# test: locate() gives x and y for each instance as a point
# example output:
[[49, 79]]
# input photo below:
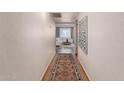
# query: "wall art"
[[83, 34]]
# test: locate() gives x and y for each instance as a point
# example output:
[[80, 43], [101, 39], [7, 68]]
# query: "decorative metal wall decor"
[[83, 34]]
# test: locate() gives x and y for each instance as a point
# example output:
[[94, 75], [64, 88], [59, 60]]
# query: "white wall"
[[105, 60], [26, 45]]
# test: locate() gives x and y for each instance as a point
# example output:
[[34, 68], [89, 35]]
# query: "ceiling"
[[65, 16]]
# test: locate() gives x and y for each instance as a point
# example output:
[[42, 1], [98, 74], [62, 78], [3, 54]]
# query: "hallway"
[[61, 46], [65, 67], [51, 46]]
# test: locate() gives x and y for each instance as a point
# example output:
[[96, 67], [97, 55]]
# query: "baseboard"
[[51, 58], [85, 70], [83, 57]]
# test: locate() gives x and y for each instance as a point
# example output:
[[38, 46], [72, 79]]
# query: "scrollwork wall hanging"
[[83, 34]]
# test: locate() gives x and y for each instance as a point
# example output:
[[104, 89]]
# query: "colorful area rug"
[[65, 69]]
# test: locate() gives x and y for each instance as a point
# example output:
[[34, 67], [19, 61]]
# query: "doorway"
[[65, 40]]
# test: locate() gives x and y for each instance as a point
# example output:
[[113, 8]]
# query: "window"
[[65, 32]]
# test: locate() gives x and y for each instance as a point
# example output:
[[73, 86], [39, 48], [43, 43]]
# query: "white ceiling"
[[66, 17]]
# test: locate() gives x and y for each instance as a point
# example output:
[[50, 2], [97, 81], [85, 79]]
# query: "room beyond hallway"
[[65, 67]]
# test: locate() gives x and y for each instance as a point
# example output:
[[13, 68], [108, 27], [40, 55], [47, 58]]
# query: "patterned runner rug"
[[65, 69]]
